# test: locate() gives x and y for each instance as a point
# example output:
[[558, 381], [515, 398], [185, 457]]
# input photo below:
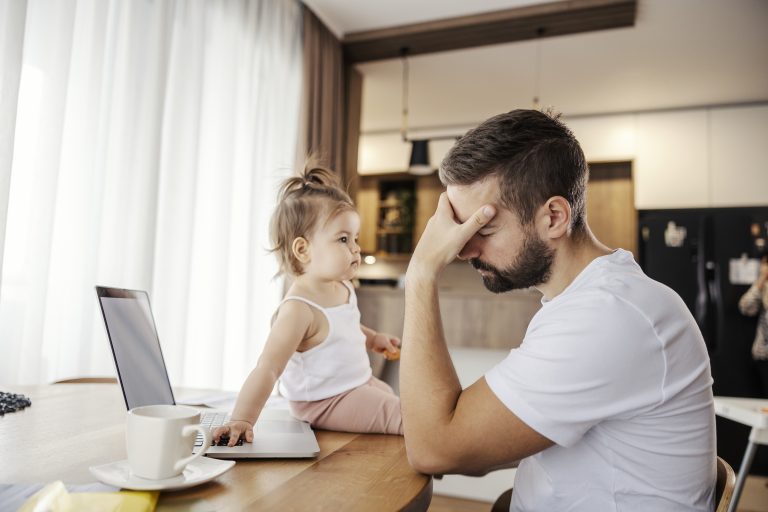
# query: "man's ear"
[[556, 217], [300, 249]]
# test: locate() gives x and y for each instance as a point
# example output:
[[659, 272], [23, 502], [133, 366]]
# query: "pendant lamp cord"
[[537, 69], [404, 127]]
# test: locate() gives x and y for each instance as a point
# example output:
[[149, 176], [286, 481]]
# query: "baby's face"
[[333, 249]]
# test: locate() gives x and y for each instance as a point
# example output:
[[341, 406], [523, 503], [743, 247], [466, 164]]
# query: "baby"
[[317, 346]]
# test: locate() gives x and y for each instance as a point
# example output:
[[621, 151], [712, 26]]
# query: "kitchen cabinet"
[[739, 156], [380, 153], [690, 158], [708, 157], [608, 138], [367, 202], [396, 212], [671, 163], [375, 203]]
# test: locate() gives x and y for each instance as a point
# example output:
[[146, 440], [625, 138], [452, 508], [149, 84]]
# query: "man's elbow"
[[430, 460]]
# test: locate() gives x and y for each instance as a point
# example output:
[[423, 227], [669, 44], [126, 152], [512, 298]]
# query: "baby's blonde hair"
[[305, 201]]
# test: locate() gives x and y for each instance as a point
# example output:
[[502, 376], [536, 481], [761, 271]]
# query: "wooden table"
[[70, 427], [749, 411]]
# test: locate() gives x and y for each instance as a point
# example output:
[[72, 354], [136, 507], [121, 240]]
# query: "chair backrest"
[[726, 482], [88, 380], [503, 502], [724, 485]]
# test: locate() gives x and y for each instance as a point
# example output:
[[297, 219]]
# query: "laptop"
[[144, 380]]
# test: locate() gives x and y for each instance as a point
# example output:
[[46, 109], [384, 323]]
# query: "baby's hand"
[[234, 430], [387, 346]]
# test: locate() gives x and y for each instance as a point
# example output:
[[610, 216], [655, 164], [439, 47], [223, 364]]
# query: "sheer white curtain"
[[149, 139]]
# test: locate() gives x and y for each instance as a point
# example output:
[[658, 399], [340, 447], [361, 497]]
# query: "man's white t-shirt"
[[615, 372]]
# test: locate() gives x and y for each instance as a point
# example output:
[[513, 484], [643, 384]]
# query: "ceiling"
[[680, 53], [347, 16]]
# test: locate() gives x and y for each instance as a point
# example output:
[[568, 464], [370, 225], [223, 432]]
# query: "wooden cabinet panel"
[[367, 207], [611, 210], [428, 190]]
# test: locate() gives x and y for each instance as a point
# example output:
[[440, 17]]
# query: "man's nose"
[[470, 250]]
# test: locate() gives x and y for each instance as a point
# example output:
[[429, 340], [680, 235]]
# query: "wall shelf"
[[376, 205]]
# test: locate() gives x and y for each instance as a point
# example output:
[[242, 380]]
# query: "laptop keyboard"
[[211, 420]]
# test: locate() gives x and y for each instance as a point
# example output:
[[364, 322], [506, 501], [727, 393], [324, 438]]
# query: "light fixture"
[[419, 163]]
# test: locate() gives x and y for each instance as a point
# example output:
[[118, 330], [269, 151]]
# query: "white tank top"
[[336, 365]]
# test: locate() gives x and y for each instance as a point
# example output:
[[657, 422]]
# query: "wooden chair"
[[726, 482], [503, 502], [724, 485]]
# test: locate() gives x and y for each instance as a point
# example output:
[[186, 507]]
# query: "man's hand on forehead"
[[445, 236]]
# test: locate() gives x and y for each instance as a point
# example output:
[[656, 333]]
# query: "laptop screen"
[[135, 347]]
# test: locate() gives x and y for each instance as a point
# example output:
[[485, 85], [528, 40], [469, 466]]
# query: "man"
[[607, 403]]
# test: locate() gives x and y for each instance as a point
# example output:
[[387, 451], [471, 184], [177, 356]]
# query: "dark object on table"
[[11, 402]]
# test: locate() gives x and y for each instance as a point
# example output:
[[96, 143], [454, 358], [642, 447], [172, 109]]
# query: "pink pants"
[[371, 408]]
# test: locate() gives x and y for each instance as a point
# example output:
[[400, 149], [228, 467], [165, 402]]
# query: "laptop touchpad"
[[278, 427]]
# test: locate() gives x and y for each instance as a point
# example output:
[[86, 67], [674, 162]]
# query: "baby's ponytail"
[[303, 201], [311, 180]]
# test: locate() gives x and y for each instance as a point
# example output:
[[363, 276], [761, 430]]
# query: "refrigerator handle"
[[716, 308], [707, 295], [702, 311]]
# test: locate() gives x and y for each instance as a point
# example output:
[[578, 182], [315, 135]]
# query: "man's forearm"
[[429, 386]]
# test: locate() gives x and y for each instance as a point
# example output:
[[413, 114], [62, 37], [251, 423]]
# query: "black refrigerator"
[[702, 255]]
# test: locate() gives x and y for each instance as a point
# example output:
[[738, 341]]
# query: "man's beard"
[[532, 266]]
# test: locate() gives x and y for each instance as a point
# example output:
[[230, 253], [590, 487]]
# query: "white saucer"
[[198, 471]]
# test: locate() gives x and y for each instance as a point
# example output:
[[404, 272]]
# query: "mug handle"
[[191, 429]]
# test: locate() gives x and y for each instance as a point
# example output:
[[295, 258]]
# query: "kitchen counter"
[[472, 316]]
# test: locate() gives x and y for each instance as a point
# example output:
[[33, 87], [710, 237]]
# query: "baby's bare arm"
[[369, 335], [291, 325], [384, 344]]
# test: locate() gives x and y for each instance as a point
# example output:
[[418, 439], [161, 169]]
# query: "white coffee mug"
[[160, 438]]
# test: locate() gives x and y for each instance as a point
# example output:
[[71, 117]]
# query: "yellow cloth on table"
[[55, 498]]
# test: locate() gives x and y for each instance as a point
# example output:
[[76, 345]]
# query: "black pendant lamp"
[[419, 162]]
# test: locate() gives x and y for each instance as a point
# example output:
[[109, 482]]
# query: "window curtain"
[[323, 95], [148, 142]]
